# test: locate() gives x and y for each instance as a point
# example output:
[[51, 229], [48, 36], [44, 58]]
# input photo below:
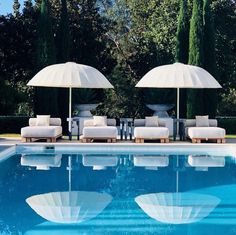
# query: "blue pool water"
[[204, 181]]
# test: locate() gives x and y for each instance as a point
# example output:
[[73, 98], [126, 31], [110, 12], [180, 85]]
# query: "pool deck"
[[11, 146], [9, 141]]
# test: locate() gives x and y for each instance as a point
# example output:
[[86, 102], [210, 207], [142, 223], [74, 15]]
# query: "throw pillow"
[[100, 120], [151, 121], [202, 121], [43, 120]]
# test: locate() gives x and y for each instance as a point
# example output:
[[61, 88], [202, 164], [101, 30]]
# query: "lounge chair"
[[49, 132], [199, 133], [143, 132], [91, 132]]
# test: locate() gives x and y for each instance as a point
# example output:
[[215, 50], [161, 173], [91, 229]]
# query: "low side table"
[[181, 131], [126, 128]]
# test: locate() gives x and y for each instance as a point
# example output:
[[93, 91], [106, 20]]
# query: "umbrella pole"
[[70, 168], [177, 123], [70, 108], [178, 93]]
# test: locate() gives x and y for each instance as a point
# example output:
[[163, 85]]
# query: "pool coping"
[[115, 148], [132, 148]]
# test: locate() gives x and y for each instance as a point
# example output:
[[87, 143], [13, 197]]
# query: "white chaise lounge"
[[206, 132], [142, 131], [106, 131], [49, 132]]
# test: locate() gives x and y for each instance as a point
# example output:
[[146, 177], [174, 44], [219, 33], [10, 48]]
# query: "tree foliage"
[[46, 98], [124, 40], [182, 47], [63, 56], [195, 102], [182, 37], [210, 96]]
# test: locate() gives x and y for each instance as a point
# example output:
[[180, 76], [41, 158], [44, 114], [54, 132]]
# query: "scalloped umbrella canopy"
[[69, 207], [70, 75], [178, 76], [177, 208]]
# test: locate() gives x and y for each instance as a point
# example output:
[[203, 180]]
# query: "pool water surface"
[[117, 194]]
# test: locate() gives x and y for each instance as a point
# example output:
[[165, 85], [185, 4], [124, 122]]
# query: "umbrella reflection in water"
[[70, 206], [177, 207]]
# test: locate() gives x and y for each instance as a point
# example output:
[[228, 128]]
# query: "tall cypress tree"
[[28, 9], [16, 8], [195, 103], [210, 95], [37, 3], [46, 98], [182, 46], [182, 36], [63, 55]]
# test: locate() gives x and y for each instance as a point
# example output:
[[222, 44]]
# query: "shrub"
[[12, 124], [229, 123]]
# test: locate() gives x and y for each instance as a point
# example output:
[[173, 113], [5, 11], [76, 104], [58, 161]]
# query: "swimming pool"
[[149, 190]]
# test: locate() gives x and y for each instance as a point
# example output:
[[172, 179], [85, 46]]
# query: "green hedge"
[[229, 123], [12, 124]]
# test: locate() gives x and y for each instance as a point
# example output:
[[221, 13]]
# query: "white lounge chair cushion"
[[151, 132], [53, 121], [202, 121], [41, 131], [100, 132], [100, 120], [151, 121], [206, 133], [43, 120]]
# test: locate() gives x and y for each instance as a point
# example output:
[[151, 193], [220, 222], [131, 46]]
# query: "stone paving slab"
[[13, 141]]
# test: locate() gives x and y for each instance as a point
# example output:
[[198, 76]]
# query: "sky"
[[6, 6]]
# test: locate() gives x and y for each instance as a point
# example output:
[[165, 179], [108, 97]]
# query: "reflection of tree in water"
[[128, 183], [123, 184], [8, 229]]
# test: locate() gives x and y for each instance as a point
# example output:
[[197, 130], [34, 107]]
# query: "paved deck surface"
[[13, 141]]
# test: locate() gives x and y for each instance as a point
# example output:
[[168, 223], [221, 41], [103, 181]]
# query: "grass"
[[9, 135], [230, 136]]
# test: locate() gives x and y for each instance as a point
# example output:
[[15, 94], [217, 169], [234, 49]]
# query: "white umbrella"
[[178, 76], [70, 75]]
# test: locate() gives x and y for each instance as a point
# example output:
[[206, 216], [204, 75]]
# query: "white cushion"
[[151, 121], [100, 132], [41, 131], [206, 133], [100, 120], [53, 122], [151, 132], [43, 120], [202, 121]]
